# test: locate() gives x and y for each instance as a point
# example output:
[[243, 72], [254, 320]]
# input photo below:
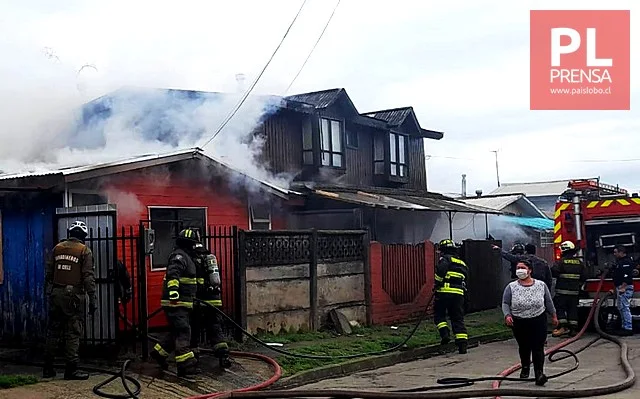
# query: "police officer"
[[69, 277], [178, 292], [450, 290], [205, 317], [570, 273]]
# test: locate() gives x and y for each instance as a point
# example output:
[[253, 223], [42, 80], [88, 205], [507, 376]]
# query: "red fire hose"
[[516, 367]]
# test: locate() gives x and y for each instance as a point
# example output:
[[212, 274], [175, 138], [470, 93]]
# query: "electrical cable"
[[314, 47], [255, 82]]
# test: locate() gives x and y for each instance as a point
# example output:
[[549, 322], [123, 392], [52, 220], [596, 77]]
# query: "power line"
[[567, 160], [314, 47], [255, 82]]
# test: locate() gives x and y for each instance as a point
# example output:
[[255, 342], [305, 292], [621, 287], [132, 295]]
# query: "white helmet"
[[78, 227]]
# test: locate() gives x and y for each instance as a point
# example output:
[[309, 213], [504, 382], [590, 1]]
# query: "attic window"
[[259, 217], [352, 138], [331, 152]]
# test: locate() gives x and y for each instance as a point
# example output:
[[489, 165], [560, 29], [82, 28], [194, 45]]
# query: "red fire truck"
[[598, 217]]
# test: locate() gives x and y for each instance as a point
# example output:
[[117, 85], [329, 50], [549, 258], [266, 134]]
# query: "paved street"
[[599, 365]]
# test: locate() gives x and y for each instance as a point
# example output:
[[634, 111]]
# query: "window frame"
[[250, 207], [389, 163], [331, 152], [355, 134], [202, 233], [69, 196]]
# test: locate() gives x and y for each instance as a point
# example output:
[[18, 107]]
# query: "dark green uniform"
[[178, 293], [204, 317], [570, 274], [450, 279], [69, 277]]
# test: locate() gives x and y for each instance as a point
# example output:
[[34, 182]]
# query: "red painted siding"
[[134, 192]]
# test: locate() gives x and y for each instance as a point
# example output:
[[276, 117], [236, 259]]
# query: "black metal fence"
[[485, 270]]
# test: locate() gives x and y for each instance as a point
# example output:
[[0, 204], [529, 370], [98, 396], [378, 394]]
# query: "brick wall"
[[384, 310]]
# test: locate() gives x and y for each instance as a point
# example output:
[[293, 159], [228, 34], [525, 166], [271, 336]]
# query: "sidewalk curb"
[[375, 362]]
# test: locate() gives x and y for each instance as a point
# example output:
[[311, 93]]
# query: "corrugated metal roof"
[[393, 117], [319, 99], [535, 223], [498, 203], [533, 189], [401, 202]]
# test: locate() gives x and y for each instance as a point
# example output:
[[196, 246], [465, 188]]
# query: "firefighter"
[[513, 256], [450, 290], [570, 273], [178, 292], [205, 317], [69, 277]]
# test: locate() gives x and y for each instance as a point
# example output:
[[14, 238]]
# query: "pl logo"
[[594, 73]]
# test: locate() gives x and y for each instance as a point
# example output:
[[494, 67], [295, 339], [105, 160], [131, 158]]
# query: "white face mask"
[[522, 273]]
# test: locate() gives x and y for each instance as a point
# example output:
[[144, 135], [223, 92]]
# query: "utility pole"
[[497, 170]]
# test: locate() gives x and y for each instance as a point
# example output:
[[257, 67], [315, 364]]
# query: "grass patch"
[[13, 381], [370, 339]]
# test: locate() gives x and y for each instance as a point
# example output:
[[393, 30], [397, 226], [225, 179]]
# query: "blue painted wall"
[[27, 235]]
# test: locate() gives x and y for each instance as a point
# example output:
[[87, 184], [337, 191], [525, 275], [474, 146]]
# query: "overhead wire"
[[314, 47], [255, 81]]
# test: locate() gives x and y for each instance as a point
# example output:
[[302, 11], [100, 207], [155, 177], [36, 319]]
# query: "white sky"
[[462, 65]]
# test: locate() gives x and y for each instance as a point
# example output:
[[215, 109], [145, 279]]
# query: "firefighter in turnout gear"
[[450, 291], [69, 278], [178, 292], [570, 274], [204, 317]]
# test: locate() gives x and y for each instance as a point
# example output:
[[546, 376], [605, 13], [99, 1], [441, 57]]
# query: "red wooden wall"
[[396, 272]]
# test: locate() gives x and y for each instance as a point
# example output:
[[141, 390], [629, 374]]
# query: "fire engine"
[[598, 217]]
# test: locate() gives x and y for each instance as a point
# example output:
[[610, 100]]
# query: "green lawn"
[[369, 339], [12, 381]]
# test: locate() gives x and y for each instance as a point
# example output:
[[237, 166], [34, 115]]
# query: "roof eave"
[[431, 134]]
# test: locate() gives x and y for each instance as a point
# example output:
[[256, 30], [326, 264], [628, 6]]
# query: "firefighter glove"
[[174, 295]]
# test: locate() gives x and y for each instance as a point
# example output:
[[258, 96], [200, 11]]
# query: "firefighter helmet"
[[78, 229], [447, 243], [517, 249], [189, 234], [567, 246]]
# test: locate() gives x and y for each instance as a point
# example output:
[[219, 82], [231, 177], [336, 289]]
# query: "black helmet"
[[517, 249], [187, 238], [447, 246]]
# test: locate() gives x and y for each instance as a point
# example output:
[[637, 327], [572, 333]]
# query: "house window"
[[398, 155], [259, 217], [86, 198], [331, 143], [352, 138], [378, 154], [167, 223], [307, 143]]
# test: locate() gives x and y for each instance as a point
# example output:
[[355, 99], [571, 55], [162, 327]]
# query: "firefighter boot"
[[161, 360], [48, 371], [221, 351], [462, 346], [445, 336], [188, 370], [71, 372]]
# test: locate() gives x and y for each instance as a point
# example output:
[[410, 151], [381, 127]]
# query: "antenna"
[[497, 169]]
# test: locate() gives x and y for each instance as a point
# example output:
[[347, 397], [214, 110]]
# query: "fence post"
[[240, 279], [143, 311], [366, 247], [313, 279]]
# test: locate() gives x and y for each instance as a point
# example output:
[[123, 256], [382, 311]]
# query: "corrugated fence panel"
[[403, 271]]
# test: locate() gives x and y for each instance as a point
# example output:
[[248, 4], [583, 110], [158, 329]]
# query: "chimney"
[[240, 82], [478, 193], [464, 186]]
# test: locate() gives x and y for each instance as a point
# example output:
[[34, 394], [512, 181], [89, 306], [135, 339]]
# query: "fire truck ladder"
[[602, 189]]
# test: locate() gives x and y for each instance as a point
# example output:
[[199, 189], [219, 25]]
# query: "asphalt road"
[[599, 365]]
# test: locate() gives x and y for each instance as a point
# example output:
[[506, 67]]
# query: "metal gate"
[[485, 268], [101, 327]]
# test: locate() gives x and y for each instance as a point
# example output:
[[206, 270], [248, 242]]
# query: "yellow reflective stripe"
[[564, 206], [458, 261], [557, 227], [636, 200], [200, 281], [214, 302], [557, 214], [442, 325], [592, 204], [188, 233], [438, 278], [160, 350], [188, 280], [173, 283], [176, 304], [558, 239], [606, 203], [623, 202], [454, 275], [569, 275], [449, 290], [462, 336], [185, 357]]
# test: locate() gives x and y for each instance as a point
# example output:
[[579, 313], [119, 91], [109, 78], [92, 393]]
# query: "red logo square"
[[580, 60]]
